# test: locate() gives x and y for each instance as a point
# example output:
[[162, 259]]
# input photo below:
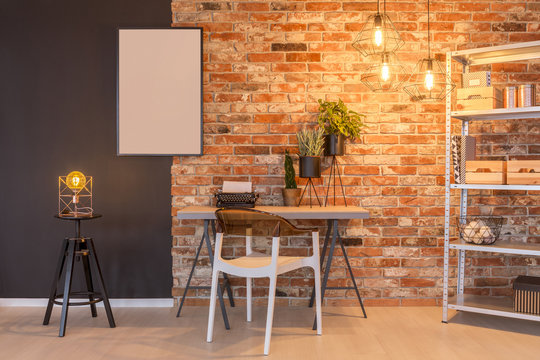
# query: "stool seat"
[[71, 248]]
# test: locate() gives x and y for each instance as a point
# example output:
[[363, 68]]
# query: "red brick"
[[270, 118], [266, 57], [322, 6], [228, 77], [416, 282], [266, 98], [273, 17], [252, 6], [269, 139], [224, 36], [291, 67]]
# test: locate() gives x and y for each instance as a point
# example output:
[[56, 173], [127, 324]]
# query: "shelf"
[[498, 114], [503, 247], [497, 54], [485, 304], [491, 305], [494, 187]]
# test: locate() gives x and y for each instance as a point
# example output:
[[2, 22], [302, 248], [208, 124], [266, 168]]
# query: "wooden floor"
[[155, 333]]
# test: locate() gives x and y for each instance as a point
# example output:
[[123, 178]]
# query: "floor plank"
[[155, 333]]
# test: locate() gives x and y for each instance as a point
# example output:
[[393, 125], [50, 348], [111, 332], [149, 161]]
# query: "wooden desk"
[[329, 213], [288, 212]]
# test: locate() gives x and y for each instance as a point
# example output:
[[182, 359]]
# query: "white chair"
[[249, 223]]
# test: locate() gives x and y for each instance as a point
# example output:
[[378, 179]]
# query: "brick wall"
[[265, 65]]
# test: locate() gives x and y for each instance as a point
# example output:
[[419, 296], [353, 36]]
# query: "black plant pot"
[[310, 166], [334, 144]]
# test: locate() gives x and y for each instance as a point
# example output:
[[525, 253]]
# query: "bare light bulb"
[[428, 81], [385, 72], [378, 37], [75, 180]]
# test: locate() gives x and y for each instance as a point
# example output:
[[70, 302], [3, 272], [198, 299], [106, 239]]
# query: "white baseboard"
[[159, 302]]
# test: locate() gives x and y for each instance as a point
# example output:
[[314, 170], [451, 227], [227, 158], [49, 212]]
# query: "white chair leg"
[[270, 313], [318, 311], [212, 310], [317, 272], [248, 294]]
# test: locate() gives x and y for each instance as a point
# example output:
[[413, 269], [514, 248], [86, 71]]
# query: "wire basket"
[[480, 230], [236, 200]]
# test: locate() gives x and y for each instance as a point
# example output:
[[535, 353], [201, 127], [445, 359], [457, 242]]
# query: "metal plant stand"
[[334, 168], [308, 187], [227, 286], [332, 227], [80, 248]]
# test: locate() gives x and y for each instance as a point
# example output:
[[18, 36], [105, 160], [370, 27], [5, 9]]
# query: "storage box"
[[523, 172], [476, 79], [462, 145], [527, 294], [485, 172], [479, 98]]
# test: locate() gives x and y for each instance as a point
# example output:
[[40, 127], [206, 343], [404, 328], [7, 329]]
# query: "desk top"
[[288, 212]]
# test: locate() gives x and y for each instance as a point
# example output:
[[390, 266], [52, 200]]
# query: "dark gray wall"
[[57, 114]]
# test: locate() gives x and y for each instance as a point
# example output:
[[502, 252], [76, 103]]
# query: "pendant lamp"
[[429, 80], [378, 35], [385, 75]]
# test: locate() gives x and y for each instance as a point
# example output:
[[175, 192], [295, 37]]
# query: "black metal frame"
[[226, 286], [309, 185], [332, 227], [334, 167], [72, 248]]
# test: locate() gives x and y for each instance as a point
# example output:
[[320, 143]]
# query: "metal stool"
[[74, 248]]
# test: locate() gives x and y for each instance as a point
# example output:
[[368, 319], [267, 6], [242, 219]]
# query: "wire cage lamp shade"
[[428, 82], [386, 75], [378, 36]]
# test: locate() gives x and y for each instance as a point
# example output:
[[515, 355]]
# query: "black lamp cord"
[[428, 41]]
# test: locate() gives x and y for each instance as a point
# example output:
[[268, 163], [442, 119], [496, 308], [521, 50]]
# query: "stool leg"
[[57, 276], [93, 258], [88, 276], [67, 286]]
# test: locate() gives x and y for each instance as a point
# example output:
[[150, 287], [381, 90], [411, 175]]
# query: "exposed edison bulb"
[[378, 38], [75, 180], [428, 81], [377, 34], [385, 72]]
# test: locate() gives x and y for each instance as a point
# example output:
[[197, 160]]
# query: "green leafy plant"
[[310, 142], [336, 118], [290, 174]]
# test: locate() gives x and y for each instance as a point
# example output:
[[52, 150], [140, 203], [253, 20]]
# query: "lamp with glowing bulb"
[[429, 81], [75, 194], [378, 35], [386, 75]]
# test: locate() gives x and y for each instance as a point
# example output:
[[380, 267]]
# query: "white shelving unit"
[[499, 306]]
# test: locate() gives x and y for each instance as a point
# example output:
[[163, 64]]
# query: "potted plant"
[[310, 148], [338, 123], [291, 193]]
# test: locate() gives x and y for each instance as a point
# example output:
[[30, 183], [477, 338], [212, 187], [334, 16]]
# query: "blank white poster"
[[159, 100]]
